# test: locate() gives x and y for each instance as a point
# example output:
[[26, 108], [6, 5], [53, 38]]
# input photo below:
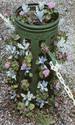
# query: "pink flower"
[[46, 49], [46, 72], [7, 65], [57, 86], [21, 13], [59, 55], [51, 5], [23, 67]]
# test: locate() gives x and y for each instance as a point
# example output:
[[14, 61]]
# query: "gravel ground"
[[65, 110]]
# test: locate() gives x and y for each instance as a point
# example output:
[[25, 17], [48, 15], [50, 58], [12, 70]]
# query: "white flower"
[[25, 8], [27, 53], [42, 85], [41, 103], [62, 45], [39, 14], [10, 57], [7, 22], [22, 52], [41, 5], [13, 95], [11, 74], [27, 98], [23, 46], [11, 49], [10, 25], [20, 46]]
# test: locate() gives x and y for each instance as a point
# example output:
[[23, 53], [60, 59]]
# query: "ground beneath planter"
[[65, 112]]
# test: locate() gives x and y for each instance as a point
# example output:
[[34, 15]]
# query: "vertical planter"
[[36, 33]]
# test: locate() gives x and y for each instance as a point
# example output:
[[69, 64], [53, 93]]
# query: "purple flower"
[[57, 87], [51, 5], [42, 60], [7, 65], [21, 13], [41, 103], [46, 72], [23, 67]]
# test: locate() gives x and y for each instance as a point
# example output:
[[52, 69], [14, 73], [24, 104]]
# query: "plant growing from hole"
[[18, 74], [41, 13]]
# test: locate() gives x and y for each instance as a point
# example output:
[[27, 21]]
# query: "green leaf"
[[20, 106], [31, 106], [41, 74], [28, 58], [16, 37], [52, 57], [30, 74], [15, 65], [25, 85], [37, 62], [14, 86], [28, 114]]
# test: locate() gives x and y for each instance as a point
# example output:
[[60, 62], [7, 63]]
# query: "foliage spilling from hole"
[[37, 14], [17, 68]]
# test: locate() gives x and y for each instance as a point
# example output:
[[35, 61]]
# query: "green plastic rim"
[[35, 27]]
